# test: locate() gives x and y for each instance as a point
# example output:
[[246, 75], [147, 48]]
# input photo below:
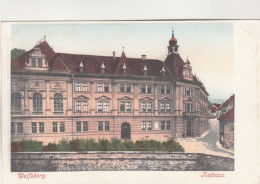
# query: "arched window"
[[37, 102], [58, 103], [16, 102]]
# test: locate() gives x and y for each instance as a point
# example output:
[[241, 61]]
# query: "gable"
[[103, 98], [81, 97], [125, 98], [165, 99], [146, 99]]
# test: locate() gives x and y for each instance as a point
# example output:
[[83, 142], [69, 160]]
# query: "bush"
[[103, 144], [172, 145], [74, 144], [31, 145], [139, 146], [129, 145], [152, 145], [63, 145], [16, 147], [88, 145], [116, 145], [50, 147]]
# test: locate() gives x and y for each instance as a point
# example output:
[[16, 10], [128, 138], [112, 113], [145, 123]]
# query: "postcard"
[[93, 102]]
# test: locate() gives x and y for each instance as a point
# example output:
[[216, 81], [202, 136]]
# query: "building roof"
[[229, 115], [213, 109], [93, 63], [230, 99]]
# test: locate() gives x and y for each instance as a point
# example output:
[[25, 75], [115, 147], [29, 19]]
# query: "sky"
[[209, 46]]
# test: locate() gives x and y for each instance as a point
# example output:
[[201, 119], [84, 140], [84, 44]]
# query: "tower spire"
[[172, 32]]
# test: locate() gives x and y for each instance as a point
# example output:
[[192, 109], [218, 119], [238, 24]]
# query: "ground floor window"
[[144, 125], [162, 125], [12, 127], [78, 126], [100, 126], [62, 127], [20, 127], [54, 127], [106, 126], [168, 125], [85, 126], [34, 127], [41, 127]]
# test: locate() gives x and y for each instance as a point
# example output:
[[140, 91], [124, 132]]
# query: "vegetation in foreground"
[[93, 145]]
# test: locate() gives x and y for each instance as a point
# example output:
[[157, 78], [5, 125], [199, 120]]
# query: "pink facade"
[[57, 96]]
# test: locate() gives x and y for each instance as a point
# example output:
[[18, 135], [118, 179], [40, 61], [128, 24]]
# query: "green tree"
[[15, 53]]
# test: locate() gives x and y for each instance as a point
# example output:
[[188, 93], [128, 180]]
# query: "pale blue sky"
[[209, 46]]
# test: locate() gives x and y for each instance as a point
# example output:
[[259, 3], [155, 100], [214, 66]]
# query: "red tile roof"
[[229, 115], [213, 109], [92, 64], [230, 99]]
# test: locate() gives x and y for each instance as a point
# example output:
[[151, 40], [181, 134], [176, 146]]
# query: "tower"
[[173, 47]]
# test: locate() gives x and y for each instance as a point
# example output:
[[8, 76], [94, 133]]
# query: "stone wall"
[[118, 161]]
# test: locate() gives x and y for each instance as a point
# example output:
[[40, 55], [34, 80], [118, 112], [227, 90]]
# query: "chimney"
[[81, 67], [103, 68], [114, 55], [143, 57]]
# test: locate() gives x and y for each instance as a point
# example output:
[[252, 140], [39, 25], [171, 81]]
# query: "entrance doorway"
[[189, 128], [125, 131]]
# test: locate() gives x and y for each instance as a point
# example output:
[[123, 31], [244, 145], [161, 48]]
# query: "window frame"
[[16, 102], [34, 127], [143, 125], [85, 126], [77, 86], [41, 127], [54, 127], [100, 126], [107, 126], [19, 128], [78, 126], [149, 125], [62, 127], [58, 102], [85, 86], [37, 102]]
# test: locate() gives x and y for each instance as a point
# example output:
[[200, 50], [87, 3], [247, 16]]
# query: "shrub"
[[16, 147], [63, 145], [74, 144], [152, 145], [31, 145], [50, 147], [103, 144], [172, 145], [139, 146], [116, 145], [129, 145], [88, 145]]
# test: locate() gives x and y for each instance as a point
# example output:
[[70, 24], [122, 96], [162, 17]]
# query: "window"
[[143, 125], [143, 88], [122, 106], [168, 125], [149, 125], [78, 126], [128, 106], [100, 126], [188, 108], [85, 106], [41, 127], [162, 89], [78, 106], [149, 89], [106, 87], [12, 127], [143, 106], [100, 106], [62, 127], [33, 62], [165, 107], [85, 126], [20, 127], [37, 102], [39, 63], [107, 126], [149, 106], [187, 91], [58, 102], [168, 89], [128, 88], [162, 125], [15, 102], [162, 107], [54, 127], [34, 127], [99, 87], [85, 86], [122, 88], [78, 86], [106, 106]]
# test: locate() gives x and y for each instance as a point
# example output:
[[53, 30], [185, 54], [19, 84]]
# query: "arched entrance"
[[125, 131], [188, 128]]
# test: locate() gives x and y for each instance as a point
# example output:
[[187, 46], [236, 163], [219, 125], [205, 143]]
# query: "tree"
[[15, 53]]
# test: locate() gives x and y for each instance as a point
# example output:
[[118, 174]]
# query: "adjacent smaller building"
[[226, 123], [213, 110]]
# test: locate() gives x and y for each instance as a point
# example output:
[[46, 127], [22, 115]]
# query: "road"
[[205, 144]]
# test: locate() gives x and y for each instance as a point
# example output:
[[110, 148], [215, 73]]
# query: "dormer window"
[[39, 63], [33, 62]]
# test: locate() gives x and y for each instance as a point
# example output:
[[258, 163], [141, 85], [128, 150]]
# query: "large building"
[[57, 95]]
